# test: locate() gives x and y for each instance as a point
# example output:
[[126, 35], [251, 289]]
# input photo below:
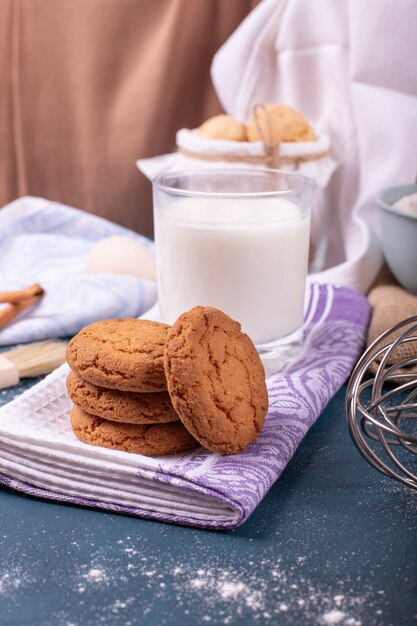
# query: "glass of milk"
[[237, 240]]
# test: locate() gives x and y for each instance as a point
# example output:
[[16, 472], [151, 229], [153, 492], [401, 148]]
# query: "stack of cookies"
[[144, 387], [119, 389]]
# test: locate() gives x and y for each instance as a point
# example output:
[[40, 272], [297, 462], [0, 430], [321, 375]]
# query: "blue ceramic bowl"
[[399, 236]]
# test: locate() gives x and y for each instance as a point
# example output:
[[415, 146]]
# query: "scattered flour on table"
[[333, 617], [264, 593], [10, 580], [224, 590], [408, 503], [227, 588], [231, 592], [96, 575]]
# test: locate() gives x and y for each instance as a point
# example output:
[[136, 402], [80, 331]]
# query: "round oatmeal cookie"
[[278, 122], [222, 127], [124, 354], [128, 407], [216, 380], [147, 439]]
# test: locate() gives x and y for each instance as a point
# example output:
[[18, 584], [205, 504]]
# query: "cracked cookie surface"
[[128, 407], [124, 354], [149, 440], [216, 380]]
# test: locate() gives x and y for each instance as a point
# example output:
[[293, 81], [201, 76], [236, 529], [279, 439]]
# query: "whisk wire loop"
[[381, 403]]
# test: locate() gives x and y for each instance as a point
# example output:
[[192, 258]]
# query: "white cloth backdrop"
[[350, 65]]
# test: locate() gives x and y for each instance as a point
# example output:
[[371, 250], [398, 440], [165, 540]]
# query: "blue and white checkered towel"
[[46, 242]]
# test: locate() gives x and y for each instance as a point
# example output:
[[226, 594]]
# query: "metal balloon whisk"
[[381, 403]]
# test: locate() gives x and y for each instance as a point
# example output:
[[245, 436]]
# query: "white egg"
[[121, 255]]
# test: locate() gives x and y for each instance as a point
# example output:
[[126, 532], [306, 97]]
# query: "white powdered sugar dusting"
[[333, 617], [95, 575], [10, 580], [267, 591]]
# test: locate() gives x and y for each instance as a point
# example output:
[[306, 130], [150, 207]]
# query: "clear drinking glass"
[[236, 240]]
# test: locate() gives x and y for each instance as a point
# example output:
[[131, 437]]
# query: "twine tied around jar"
[[271, 157], [271, 148]]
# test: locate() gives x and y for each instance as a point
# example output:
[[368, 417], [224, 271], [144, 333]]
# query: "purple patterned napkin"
[[40, 456]]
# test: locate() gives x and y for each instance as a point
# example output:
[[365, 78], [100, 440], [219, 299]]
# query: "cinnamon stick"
[[8, 313], [16, 297]]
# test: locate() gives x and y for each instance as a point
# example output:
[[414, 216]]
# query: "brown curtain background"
[[89, 86]]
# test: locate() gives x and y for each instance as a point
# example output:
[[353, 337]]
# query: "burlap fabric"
[[391, 304]]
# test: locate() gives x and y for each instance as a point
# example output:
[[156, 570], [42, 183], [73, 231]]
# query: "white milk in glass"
[[247, 257]]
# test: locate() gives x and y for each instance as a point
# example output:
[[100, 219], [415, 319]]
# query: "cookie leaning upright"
[[216, 380], [124, 354]]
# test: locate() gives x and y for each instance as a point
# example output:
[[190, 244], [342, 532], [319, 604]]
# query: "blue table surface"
[[334, 542]]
